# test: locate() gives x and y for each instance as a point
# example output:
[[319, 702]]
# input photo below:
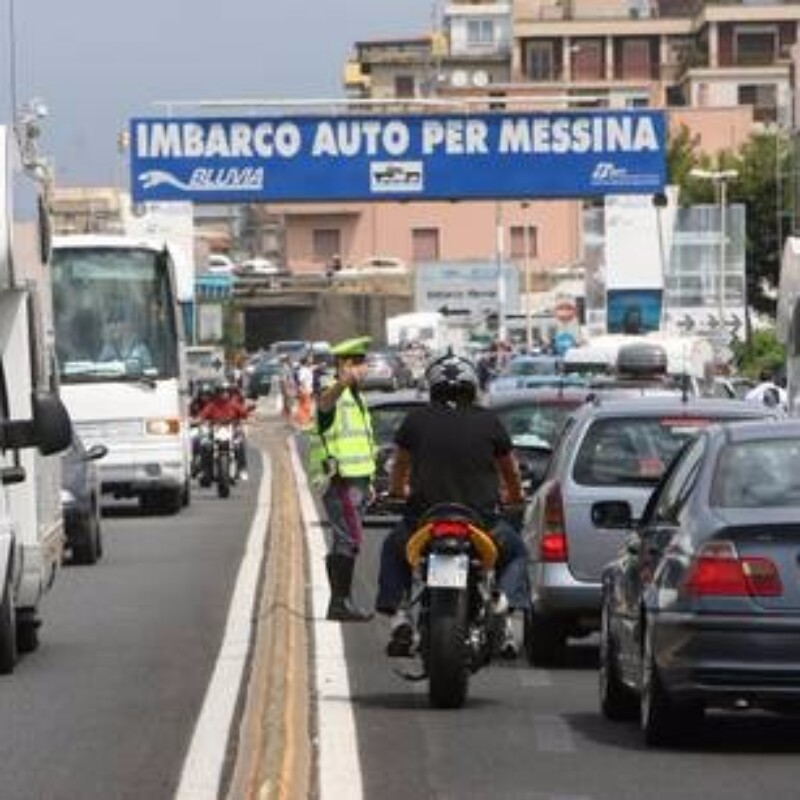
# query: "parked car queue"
[[622, 529]]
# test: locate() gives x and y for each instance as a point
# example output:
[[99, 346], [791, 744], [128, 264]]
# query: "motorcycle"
[[217, 461], [460, 611]]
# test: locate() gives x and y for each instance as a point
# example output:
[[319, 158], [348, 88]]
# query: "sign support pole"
[[501, 286]]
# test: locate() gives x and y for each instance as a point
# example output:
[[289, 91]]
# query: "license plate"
[[447, 572]]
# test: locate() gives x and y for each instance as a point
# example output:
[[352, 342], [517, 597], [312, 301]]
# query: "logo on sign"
[[396, 176], [207, 180], [607, 173]]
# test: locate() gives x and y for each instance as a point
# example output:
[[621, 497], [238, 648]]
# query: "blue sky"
[[96, 63]]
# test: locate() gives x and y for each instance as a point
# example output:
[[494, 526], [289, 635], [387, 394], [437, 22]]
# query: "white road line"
[[202, 768], [339, 767]]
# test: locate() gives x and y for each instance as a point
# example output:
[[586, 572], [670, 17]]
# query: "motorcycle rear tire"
[[224, 475], [448, 664]]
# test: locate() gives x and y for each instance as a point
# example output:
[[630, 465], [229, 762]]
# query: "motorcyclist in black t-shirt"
[[452, 451]]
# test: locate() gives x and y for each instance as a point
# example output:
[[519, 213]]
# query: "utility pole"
[[501, 285]]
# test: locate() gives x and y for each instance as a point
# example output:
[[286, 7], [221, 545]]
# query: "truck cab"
[[34, 427]]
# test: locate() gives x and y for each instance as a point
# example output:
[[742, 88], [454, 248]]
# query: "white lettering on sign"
[[400, 145], [361, 137], [217, 140], [454, 136], [284, 140], [578, 135]]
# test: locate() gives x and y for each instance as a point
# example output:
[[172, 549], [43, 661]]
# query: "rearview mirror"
[[50, 429], [533, 467], [51, 422], [95, 452]]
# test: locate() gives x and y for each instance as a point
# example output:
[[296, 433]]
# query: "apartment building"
[[470, 50], [670, 53], [722, 68]]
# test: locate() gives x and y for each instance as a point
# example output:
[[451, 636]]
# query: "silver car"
[[611, 449]]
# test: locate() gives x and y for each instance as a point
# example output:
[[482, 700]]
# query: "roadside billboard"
[[466, 290], [575, 153]]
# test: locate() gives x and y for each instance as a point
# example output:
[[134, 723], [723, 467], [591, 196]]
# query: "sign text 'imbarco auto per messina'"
[[424, 157]]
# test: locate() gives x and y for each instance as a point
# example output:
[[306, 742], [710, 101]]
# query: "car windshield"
[[535, 425], [631, 450], [758, 474]]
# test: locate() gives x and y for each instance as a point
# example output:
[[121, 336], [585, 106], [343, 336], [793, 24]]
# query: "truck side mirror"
[[51, 423], [50, 429]]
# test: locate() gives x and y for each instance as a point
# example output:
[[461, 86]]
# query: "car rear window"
[[536, 425], [385, 421], [631, 450], [758, 474]]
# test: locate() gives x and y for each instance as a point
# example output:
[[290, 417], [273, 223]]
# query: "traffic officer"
[[344, 451]]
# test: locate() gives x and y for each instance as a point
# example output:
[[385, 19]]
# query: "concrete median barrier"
[[274, 752]]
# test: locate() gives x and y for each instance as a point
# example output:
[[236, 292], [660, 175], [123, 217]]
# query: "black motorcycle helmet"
[[452, 380]]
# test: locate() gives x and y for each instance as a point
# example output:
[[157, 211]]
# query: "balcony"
[[569, 10]]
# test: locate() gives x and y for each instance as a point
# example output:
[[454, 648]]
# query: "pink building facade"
[[422, 232]]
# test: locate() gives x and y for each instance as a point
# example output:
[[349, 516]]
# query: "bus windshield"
[[113, 313]]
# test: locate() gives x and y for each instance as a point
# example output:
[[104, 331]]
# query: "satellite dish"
[[459, 78], [480, 78]]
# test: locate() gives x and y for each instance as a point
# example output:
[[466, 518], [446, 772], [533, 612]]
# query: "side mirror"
[[51, 423], [533, 464], [614, 514], [95, 452], [50, 429]]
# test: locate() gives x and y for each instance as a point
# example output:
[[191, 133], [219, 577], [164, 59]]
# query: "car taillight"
[[447, 527], [553, 541], [717, 570]]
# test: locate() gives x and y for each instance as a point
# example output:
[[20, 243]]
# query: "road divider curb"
[[275, 755]]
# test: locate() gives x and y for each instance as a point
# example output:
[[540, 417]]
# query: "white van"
[[34, 426]]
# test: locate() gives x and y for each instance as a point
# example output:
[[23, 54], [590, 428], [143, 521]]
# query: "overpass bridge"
[[309, 306]]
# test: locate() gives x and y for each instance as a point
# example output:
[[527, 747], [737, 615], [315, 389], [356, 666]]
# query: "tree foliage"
[[763, 353], [760, 162]]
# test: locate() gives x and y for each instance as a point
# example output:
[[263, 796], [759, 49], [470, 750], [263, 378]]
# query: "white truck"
[[429, 329], [34, 426]]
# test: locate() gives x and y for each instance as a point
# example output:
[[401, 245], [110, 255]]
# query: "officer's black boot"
[[340, 577]]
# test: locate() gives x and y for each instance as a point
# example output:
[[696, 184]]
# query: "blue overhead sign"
[[406, 157]]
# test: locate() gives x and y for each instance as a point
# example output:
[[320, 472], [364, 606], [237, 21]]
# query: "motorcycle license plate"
[[447, 572]]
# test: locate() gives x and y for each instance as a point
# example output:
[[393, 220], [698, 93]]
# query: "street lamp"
[[720, 178]]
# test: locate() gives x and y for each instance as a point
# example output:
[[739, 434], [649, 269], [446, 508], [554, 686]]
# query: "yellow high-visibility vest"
[[348, 440]]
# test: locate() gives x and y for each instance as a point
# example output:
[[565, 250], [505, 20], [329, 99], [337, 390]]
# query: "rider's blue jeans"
[[394, 580]]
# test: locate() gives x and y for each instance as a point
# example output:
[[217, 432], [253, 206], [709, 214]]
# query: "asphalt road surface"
[[107, 705], [537, 734]]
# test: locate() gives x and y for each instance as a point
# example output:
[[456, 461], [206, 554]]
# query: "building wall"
[[717, 128], [467, 231]]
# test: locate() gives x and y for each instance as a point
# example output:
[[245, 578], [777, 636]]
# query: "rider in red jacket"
[[224, 406]]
